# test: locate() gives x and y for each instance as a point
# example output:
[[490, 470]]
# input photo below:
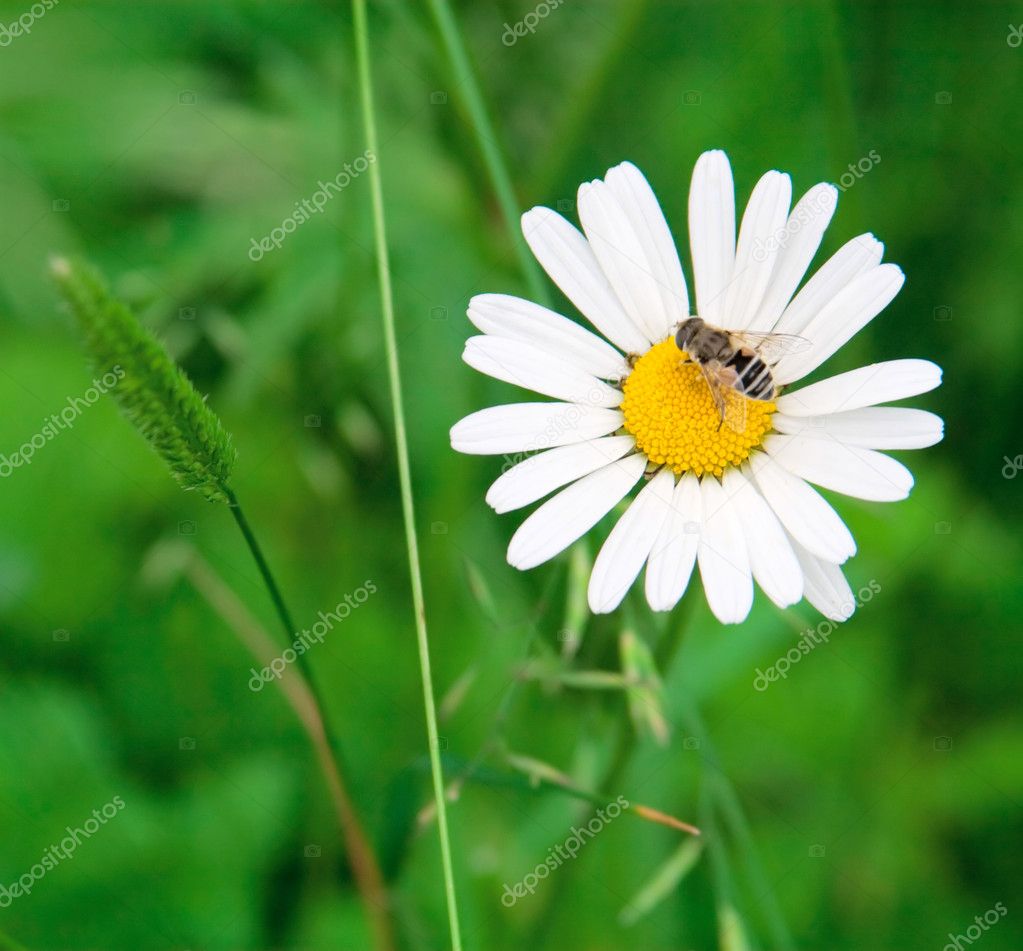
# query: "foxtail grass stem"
[[365, 868]]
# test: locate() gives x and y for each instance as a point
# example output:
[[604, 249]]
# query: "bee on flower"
[[696, 402]]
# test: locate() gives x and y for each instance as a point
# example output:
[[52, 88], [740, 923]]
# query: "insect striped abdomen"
[[754, 376]]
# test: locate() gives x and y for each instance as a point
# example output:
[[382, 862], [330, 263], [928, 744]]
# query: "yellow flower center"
[[670, 409]]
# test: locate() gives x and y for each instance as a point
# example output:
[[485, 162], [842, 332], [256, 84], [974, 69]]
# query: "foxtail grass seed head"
[[154, 393]]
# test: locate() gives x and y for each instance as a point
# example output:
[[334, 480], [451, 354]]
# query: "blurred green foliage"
[[882, 779]]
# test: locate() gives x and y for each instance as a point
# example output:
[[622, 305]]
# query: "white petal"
[[867, 386], [862, 299], [806, 515], [762, 224], [526, 365], [712, 233], [638, 201], [860, 473], [825, 586], [674, 553], [627, 547], [873, 427], [504, 316], [573, 512], [803, 233], [565, 255], [537, 476], [622, 258], [722, 557], [526, 427], [853, 258], [774, 565]]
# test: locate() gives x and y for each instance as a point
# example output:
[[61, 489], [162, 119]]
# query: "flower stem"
[[404, 471], [366, 870], [486, 140], [720, 788]]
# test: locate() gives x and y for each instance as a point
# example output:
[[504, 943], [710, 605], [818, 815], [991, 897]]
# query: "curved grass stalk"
[[157, 397], [301, 696], [404, 470]]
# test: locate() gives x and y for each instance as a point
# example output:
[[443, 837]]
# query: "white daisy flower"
[[726, 479]]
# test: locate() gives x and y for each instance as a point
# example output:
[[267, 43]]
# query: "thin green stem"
[[731, 934], [625, 745], [404, 469], [365, 867], [468, 88], [264, 569], [720, 787], [586, 97], [9, 944]]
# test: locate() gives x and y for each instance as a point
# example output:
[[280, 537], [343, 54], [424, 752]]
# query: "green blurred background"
[[882, 780]]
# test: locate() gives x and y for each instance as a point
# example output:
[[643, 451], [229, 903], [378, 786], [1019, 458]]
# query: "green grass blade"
[[468, 88], [404, 470]]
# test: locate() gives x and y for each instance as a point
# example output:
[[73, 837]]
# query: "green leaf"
[[644, 693], [663, 882]]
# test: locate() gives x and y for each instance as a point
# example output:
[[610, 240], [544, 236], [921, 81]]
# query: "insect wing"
[[721, 381], [771, 347]]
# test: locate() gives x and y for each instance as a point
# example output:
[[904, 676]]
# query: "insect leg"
[[715, 392]]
